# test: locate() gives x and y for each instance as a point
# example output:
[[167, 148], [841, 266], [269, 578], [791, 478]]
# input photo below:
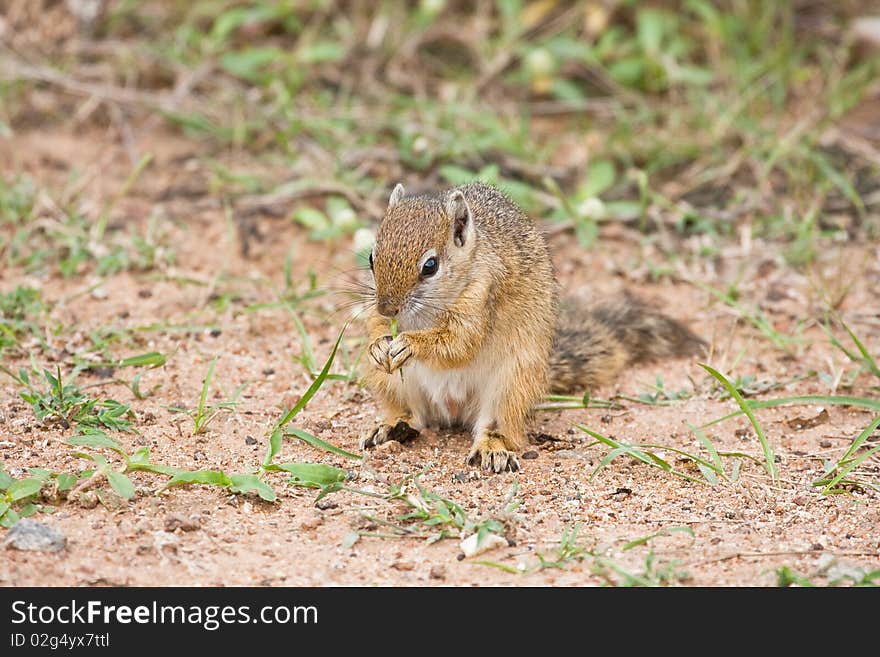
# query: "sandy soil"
[[743, 530]]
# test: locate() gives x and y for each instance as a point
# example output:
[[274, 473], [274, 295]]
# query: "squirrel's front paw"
[[378, 351], [399, 351], [400, 431], [492, 454]]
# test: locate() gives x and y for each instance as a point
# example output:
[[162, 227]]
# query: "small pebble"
[[311, 521], [531, 454], [438, 572], [29, 534], [389, 447], [250, 440], [184, 523]]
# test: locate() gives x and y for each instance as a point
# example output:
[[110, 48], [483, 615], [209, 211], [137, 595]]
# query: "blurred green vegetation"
[[696, 116]]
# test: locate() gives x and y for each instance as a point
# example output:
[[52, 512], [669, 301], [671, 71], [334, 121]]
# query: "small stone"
[[531, 454], [818, 547], [472, 546], [389, 447], [88, 499], [99, 293], [311, 521], [184, 523], [403, 566], [461, 477], [29, 534], [825, 444], [326, 503], [145, 293], [250, 440], [215, 333], [438, 572], [269, 371]]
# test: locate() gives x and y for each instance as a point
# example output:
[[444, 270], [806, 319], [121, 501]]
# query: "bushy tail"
[[594, 344]]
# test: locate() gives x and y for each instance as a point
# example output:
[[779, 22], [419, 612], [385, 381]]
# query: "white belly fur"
[[453, 396]]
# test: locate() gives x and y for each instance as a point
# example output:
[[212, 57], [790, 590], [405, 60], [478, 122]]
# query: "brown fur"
[[491, 319], [594, 344]]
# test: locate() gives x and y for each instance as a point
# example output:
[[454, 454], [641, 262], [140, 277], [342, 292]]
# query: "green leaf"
[[274, 446], [207, 477], [627, 71], [314, 441], [152, 359], [121, 484], [24, 488], [96, 438], [9, 518], [242, 483], [4, 507], [39, 473], [600, 176], [311, 218], [66, 481], [250, 64], [650, 26], [322, 51], [5, 480], [312, 475]]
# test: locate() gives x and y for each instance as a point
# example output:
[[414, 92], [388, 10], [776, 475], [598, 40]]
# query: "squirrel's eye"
[[371, 261], [430, 267]]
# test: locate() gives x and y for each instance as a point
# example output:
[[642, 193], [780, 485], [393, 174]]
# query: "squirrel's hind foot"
[[400, 431], [490, 451]]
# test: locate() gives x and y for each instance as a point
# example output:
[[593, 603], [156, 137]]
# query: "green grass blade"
[[769, 456], [316, 384], [663, 532], [713, 453], [314, 441], [838, 400], [151, 359], [203, 398], [862, 437], [852, 465], [499, 566]]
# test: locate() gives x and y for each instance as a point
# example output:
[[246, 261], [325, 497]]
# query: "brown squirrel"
[[469, 280]]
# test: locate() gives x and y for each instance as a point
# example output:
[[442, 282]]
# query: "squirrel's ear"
[[398, 193], [462, 220]]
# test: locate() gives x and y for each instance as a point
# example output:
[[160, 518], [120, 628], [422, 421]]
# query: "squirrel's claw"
[[399, 351], [378, 351], [492, 455]]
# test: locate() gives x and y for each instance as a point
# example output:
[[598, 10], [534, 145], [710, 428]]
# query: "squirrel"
[[483, 336]]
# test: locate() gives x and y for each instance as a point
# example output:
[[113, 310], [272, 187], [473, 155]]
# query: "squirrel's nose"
[[387, 308]]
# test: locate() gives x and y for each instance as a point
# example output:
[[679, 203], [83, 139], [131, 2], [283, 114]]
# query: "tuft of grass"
[[204, 412], [769, 455], [68, 404], [787, 577], [18, 310], [861, 357], [569, 550], [836, 472], [645, 454]]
